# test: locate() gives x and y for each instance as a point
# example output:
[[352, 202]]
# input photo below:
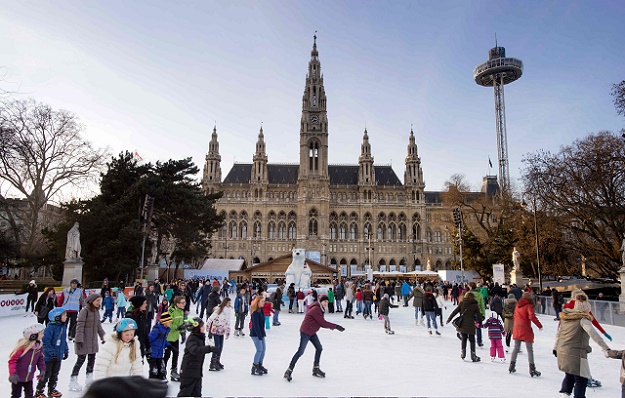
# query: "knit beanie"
[[92, 297], [137, 301], [166, 317]]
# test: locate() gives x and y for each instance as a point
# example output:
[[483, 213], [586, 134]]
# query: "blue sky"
[[155, 76]]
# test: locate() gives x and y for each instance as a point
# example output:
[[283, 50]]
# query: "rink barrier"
[[12, 304]]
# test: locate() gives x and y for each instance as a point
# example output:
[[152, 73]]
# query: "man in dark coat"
[[213, 300], [311, 324], [206, 290]]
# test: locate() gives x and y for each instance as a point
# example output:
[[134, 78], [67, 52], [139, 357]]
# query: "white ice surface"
[[364, 361]]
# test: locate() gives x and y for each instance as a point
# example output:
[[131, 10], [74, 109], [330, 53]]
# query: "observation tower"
[[497, 72]]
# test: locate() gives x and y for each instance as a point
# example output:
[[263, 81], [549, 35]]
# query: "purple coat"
[[25, 365]]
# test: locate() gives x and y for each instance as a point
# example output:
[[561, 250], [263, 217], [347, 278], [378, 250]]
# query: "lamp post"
[[540, 278]]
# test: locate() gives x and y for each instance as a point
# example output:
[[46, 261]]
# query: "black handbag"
[[457, 322]]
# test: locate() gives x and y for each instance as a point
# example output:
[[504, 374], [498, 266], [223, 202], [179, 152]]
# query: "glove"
[[612, 354], [78, 346], [607, 353], [14, 378], [55, 357], [340, 328], [148, 353], [607, 336], [102, 342], [65, 355], [182, 327], [555, 353]]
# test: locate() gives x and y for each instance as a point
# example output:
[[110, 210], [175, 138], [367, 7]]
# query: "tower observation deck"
[[497, 72]]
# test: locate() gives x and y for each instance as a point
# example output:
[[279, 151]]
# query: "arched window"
[[343, 232], [243, 230], [292, 231], [366, 231], [281, 230], [312, 227], [437, 236], [381, 232], [233, 230], [333, 231], [313, 156], [257, 229], [271, 230], [353, 231]]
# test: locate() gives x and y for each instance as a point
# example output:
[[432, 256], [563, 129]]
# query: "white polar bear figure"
[[298, 272]]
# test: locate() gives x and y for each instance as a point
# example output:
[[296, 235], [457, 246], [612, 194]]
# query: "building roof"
[[222, 264], [287, 174]]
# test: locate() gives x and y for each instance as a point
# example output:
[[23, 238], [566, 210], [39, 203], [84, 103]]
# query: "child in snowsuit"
[[158, 343], [109, 304], [193, 360], [495, 335], [267, 311], [120, 353], [25, 357], [54, 351]]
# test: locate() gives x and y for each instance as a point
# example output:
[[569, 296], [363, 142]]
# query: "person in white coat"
[[219, 327], [119, 356]]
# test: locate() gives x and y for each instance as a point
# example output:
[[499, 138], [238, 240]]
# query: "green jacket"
[[480, 300], [330, 296], [177, 316]]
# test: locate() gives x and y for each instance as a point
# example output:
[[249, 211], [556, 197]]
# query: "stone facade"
[[351, 215]]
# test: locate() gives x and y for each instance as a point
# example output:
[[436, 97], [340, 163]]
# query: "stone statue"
[[428, 266], [298, 272], [516, 259], [72, 250]]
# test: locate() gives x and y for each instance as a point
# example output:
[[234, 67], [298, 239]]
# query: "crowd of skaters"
[[154, 321]]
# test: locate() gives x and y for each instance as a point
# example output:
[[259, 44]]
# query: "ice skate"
[[236, 332], [492, 359], [214, 367], [317, 372], [89, 379], [390, 332], [288, 373], [40, 394], [463, 354], [533, 371], [174, 375], [594, 383], [54, 393], [512, 367], [262, 368], [256, 371], [437, 333], [502, 360], [73, 384], [475, 358]]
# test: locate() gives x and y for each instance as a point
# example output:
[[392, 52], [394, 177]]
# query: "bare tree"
[[42, 151], [583, 187]]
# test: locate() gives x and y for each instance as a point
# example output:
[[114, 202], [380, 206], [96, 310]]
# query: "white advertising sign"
[[402, 268], [12, 304], [382, 268], [392, 268], [343, 270], [498, 274], [206, 274]]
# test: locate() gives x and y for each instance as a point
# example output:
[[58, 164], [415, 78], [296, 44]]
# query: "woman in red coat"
[[522, 331]]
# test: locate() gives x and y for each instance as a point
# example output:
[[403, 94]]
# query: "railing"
[[606, 312], [496, 63]]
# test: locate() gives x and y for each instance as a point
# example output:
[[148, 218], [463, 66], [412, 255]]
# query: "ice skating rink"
[[365, 361]]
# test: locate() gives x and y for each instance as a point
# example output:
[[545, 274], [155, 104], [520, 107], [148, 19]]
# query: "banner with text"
[[498, 274], [12, 304], [206, 274]]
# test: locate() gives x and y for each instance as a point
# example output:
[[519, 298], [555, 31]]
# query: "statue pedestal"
[[516, 277], [151, 273], [621, 297], [72, 269]]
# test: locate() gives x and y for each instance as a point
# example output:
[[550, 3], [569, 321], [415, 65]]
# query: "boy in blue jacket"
[[108, 302], [158, 342], [54, 350]]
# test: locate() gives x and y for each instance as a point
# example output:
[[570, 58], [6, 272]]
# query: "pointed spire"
[[314, 53], [260, 134]]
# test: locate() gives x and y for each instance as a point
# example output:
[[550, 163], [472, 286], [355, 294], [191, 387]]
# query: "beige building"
[[346, 216]]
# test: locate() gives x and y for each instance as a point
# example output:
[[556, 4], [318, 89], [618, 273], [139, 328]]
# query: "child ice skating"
[[193, 360], [55, 350], [26, 357], [219, 322], [495, 335], [119, 356], [158, 343], [109, 305], [385, 305]]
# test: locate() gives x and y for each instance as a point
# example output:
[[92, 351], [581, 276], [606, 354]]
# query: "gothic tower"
[[212, 168], [413, 175], [366, 172], [259, 178], [313, 177]]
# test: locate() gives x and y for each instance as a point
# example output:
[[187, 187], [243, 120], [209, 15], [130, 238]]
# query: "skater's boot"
[[475, 358], [256, 370], [54, 393], [288, 373], [512, 367], [262, 368], [40, 394], [73, 384], [533, 371], [236, 332], [463, 354], [317, 372], [174, 376], [219, 364], [213, 366], [89, 379]]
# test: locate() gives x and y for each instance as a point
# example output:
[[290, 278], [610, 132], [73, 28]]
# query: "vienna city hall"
[[345, 216]]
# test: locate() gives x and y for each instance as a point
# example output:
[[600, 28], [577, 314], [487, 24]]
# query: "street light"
[[540, 278]]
